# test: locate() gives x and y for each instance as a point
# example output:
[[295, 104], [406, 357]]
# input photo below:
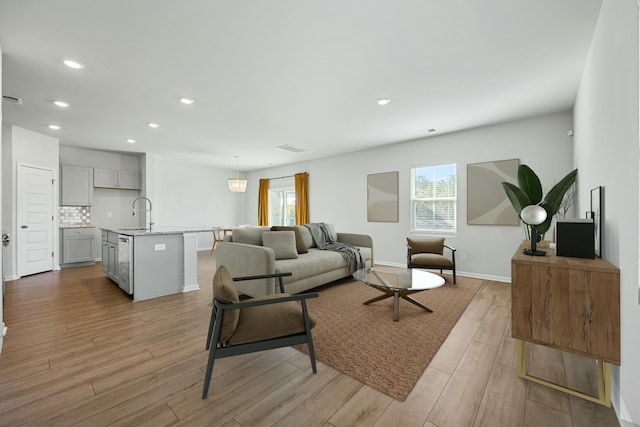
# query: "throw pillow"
[[224, 290], [300, 246], [283, 243], [428, 245], [332, 231], [306, 237]]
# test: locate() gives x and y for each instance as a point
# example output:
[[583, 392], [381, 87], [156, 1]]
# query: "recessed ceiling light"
[[153, 125], [61, 104], [71, 63], [54, 127], [383, 101], [187, 101], [130, 141]]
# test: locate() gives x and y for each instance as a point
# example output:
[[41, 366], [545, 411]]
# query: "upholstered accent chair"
[[428, 253], [256, 324]]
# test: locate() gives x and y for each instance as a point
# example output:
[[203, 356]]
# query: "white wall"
[[338, 187], [606, 153], [185, 194], [32, 149]]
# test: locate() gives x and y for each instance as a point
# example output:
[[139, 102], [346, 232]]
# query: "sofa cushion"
[[249, 235], [301, 247], [330, 228], [431, 260], [283, 243], [426, 245], [332, 231], [306, 236], [314, 263], [224, 290]]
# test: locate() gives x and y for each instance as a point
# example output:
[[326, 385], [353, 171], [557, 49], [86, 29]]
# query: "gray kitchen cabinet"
[[78, 245], [105, 178], [76, 186], [110, 255], [112, 178]]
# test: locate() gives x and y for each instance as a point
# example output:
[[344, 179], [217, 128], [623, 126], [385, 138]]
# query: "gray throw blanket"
[[322, 236]]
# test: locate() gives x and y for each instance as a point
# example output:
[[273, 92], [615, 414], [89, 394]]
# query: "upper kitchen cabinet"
[[76, 187], [111, 178]]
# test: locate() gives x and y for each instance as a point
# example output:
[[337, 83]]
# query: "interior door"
[[34, 220]]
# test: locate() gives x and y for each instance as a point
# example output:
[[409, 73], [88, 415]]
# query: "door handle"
[[24, 226]]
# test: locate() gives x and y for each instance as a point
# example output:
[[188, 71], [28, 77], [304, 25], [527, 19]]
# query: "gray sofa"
[[256, 251]]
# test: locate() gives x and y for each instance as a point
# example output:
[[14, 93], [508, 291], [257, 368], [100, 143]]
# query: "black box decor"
[[575, 238]]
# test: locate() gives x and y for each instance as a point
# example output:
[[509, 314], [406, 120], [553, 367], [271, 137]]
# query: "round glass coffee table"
[[398, 285]]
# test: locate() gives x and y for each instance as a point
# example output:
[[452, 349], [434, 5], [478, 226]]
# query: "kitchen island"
[[151, 263]]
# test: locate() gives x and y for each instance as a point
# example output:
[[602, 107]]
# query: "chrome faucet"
[[133, 206]]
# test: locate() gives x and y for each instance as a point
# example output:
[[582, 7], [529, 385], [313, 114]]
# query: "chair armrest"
[[453, 254], [261, 276], [251, 303], [266, 276]]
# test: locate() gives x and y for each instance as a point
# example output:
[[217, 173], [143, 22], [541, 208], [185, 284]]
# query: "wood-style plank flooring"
[[79, 352]]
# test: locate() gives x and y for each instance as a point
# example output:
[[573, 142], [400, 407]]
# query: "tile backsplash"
[[75, 215]]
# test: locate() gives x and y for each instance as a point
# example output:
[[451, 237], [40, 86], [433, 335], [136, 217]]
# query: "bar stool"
[[217, 237]]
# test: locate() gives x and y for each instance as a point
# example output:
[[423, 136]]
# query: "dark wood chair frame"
[[215, 326], [437, 267]]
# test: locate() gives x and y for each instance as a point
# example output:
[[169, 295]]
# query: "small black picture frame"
[[597, 213]]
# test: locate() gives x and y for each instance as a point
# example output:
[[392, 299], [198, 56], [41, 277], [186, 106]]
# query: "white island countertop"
[[140, 231]]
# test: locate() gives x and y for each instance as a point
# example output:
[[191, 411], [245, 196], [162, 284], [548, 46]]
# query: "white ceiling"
[[268, 73]]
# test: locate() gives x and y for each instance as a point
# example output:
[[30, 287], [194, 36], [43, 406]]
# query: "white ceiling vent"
[[12, 99], [291, 148]]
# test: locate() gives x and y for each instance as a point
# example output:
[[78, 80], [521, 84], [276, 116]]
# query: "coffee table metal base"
[[397, 294]]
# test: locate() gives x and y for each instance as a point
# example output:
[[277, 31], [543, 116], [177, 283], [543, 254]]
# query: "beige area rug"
[[365, 343]]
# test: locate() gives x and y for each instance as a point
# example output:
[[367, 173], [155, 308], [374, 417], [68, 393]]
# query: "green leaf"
[[517, 197], [544, 227], [529, 182], [554, 197]]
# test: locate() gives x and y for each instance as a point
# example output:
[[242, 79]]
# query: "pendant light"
[[236, 184]]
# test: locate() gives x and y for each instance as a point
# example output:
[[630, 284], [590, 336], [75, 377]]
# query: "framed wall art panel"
[[597, 214], [382, 197], [487, 203]]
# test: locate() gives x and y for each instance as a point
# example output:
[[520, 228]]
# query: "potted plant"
[[529, 192]]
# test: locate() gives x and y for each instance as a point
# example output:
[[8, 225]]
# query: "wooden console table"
[[570, 304]]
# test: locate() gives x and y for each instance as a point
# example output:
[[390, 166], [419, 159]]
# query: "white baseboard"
[[191, 288]]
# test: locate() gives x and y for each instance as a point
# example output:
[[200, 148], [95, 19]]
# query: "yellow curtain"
[[302, 198], [263, 202]]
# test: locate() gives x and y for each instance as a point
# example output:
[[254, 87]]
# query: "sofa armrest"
[[248, 260], [363, 240]]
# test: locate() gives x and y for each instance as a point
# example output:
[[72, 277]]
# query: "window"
[[282, 207], [433, 199]]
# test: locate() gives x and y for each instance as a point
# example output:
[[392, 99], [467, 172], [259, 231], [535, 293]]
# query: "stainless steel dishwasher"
[[125, 263]]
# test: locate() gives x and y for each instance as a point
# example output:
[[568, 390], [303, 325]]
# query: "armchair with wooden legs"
[[428, 253], [256, 324]]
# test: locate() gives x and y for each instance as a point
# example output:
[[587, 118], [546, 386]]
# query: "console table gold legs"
[[604, 379]]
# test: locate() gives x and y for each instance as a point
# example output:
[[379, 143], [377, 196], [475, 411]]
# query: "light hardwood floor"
[[78, 352]]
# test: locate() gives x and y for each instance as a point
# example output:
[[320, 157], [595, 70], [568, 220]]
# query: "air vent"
[[12, 99], [291, 148]]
